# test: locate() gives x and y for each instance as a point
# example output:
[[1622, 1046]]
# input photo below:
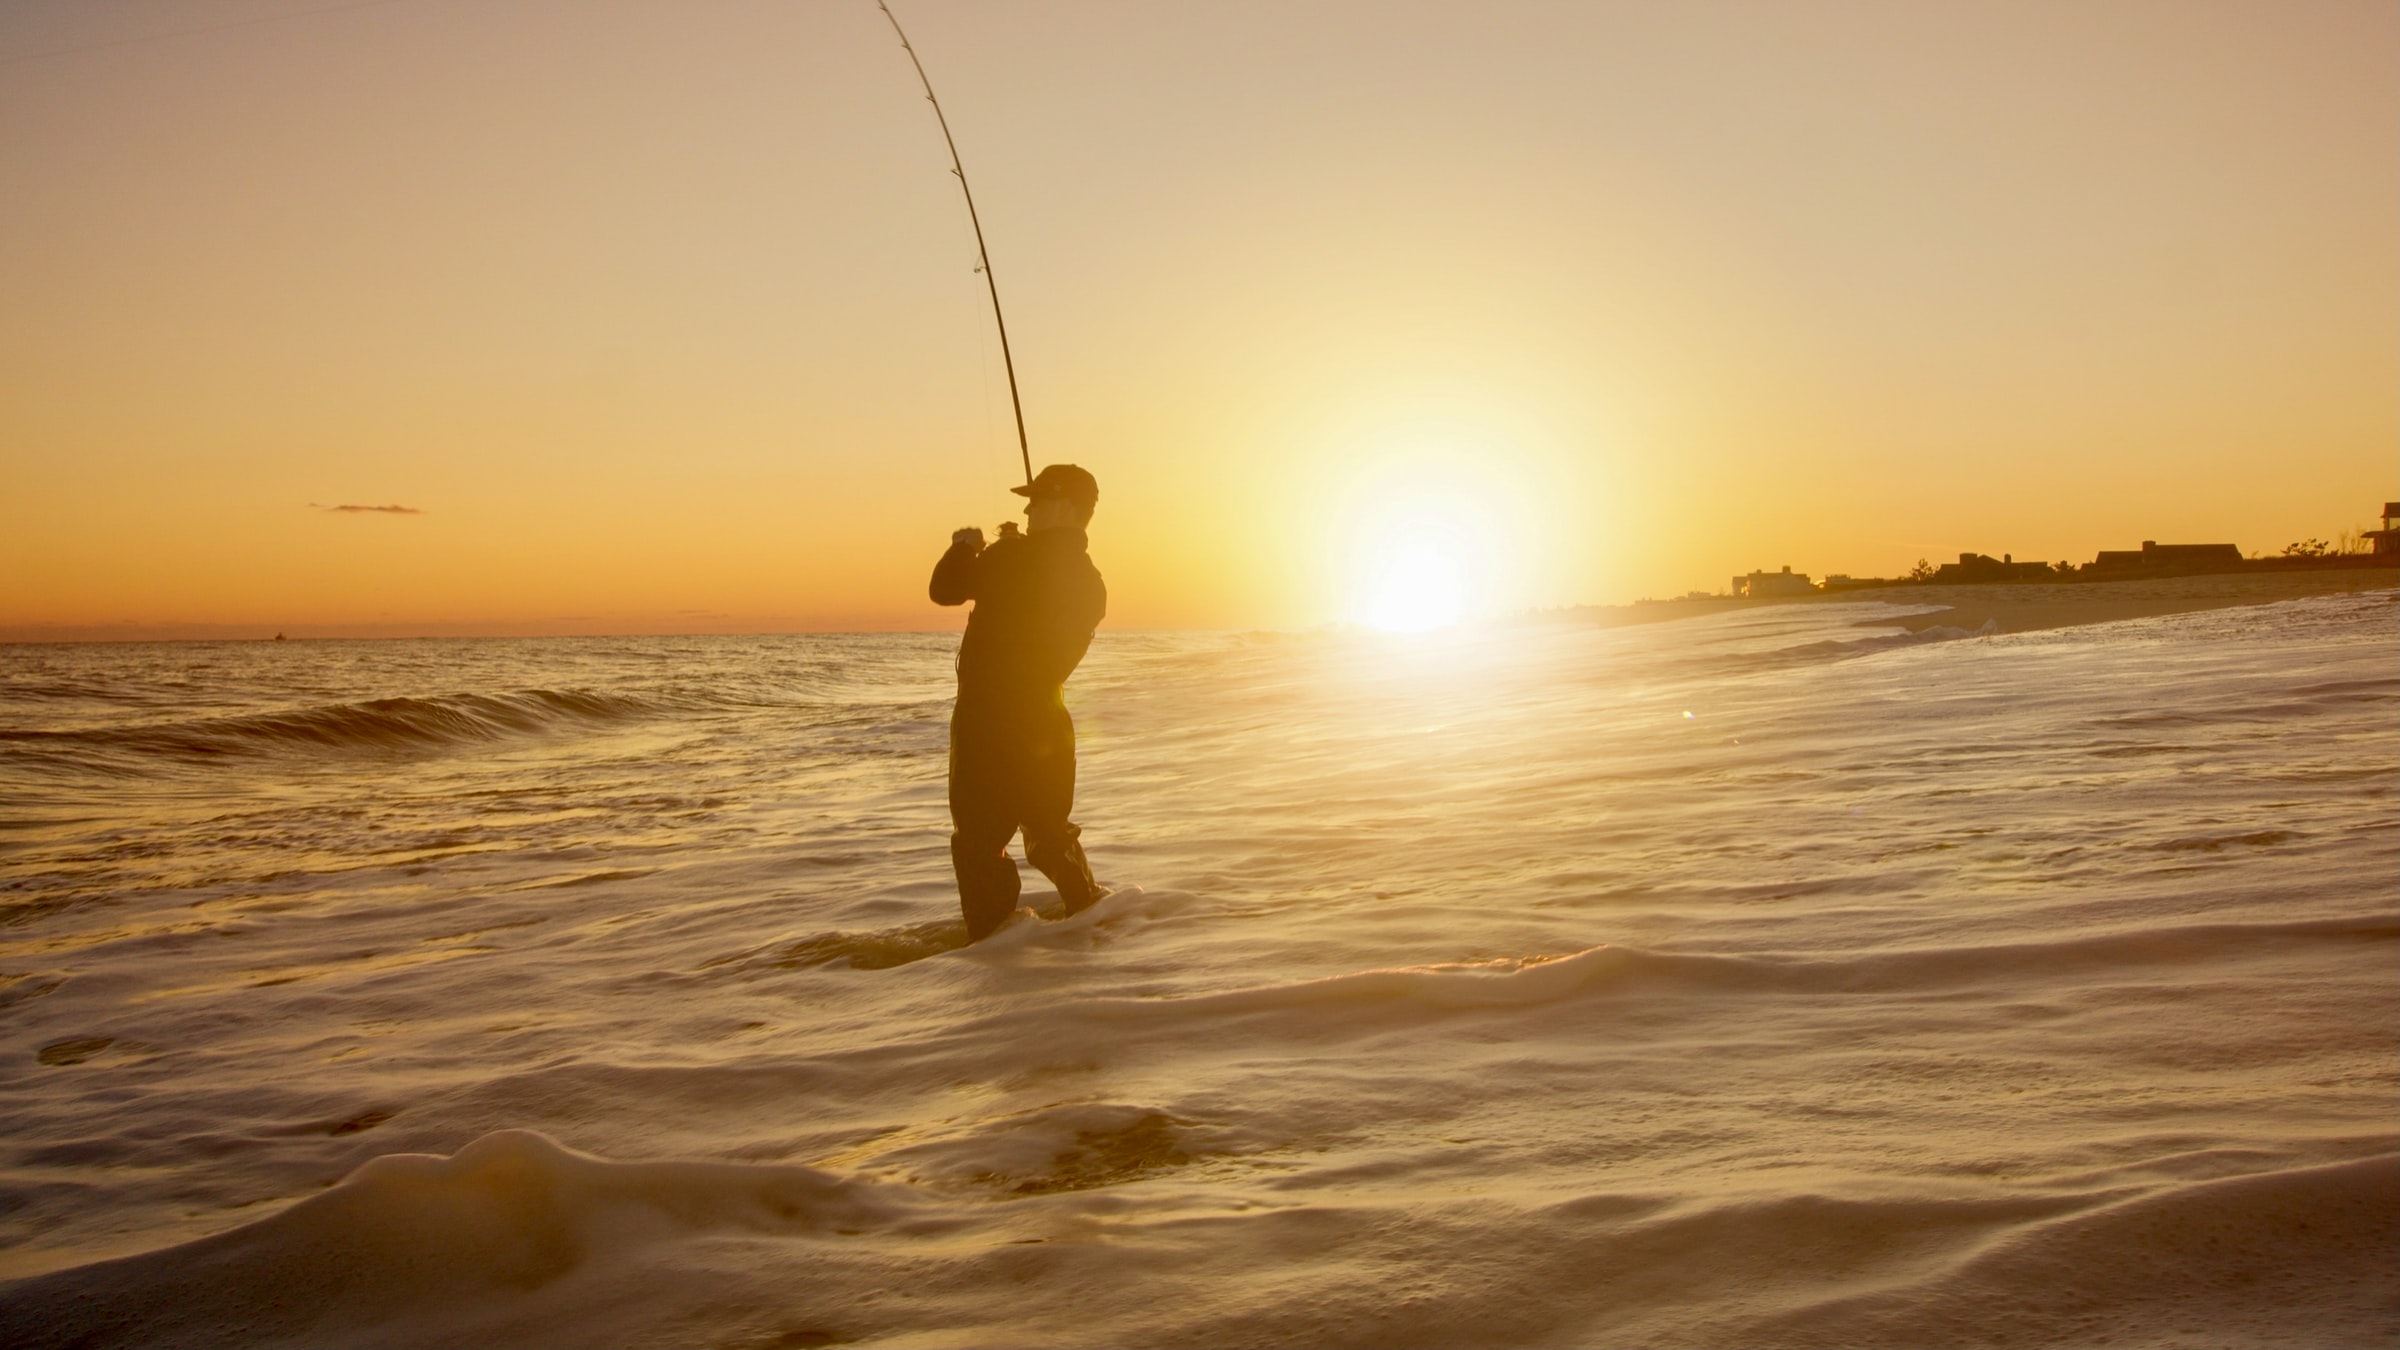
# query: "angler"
[[1037, 599]]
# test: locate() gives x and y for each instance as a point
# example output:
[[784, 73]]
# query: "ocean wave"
[[71, 691], [1844, 649], [2231, 1261], [411, 1235], [517, 1240], [1521, 982], [375, 724]]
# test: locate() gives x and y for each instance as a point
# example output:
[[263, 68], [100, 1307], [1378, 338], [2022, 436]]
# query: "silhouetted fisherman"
[[1012, 745]]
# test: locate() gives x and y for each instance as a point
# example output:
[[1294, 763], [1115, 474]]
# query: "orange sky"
[[661, 315]]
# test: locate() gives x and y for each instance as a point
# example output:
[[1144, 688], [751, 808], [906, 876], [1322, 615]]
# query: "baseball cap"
[[1062, 480]]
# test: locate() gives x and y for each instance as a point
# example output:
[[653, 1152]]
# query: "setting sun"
[[1420, 562], [1420, 586]]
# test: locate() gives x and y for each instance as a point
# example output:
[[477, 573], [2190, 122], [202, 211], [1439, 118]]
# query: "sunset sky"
[[659, 315]]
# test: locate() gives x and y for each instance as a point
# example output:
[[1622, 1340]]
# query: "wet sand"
[[2026, 608]]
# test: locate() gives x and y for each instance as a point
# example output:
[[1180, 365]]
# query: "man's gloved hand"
[[972, 537]]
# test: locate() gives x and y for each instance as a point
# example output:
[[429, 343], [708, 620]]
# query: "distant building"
[[1762, 585], [2385, 541], [1975, 569], [2157, 556]]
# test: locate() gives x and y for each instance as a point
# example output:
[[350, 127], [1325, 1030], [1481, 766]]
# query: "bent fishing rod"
[[983, 256]]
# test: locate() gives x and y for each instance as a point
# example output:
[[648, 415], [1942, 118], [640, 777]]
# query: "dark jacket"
[[1037, 599]]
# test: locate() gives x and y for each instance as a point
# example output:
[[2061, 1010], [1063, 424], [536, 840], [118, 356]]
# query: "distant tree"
[[2064, 568], [2353, 540], [2308, 548], [1923, 571]]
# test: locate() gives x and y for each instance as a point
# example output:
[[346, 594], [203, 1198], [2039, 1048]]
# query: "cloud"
[[376, 510]]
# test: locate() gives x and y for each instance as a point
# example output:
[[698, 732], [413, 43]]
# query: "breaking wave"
[[1848, 648], [410, 1235], [383, 724]]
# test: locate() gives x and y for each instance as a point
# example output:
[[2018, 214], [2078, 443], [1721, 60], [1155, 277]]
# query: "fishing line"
[[983, 256]]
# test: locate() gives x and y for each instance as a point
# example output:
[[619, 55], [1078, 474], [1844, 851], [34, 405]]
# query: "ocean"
[[1770, 978]]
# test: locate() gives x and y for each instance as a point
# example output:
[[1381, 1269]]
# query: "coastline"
[[2021, 607]]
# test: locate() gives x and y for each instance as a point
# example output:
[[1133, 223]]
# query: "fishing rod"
[[983, 256]]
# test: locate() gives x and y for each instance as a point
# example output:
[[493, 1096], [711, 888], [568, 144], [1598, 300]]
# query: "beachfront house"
[[1976, 569], [1763, 585], [2386, 541], [2155, 557]]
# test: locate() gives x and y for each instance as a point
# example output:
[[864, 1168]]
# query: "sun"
[[1420, 586], [1424, 524], [1418, 561]]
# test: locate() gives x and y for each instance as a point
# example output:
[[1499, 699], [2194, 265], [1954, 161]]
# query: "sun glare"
[[1421, 563], [1427, 520], [1419, 587]]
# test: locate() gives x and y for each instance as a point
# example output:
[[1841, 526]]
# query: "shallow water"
[[1760, 979]]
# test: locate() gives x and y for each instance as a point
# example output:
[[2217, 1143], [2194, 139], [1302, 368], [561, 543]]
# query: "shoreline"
[[2023, 607]]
